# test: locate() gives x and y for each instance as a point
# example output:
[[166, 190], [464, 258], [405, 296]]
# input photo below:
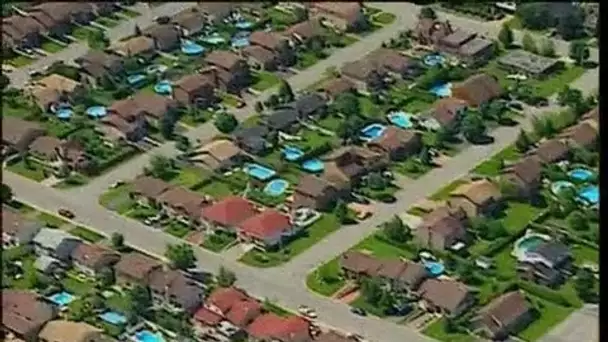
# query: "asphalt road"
[[580, 326]]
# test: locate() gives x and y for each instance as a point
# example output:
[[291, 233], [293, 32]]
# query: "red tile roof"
[[229, 212], [266, 224], [207, 317], [224, 298], [242, 314], [270, 326]]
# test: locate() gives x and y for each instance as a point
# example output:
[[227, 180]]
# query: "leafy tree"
[[468, 272], [79, 310], [396, 230], [376, 181], [183, 143], [348, 130], [375, 81], [579, 52], [181, 256], [371, 289], [341, 211], [578, 222], [427, 13], [273, 101], [505, 36], [543, 127], [386, 301], [494, 229], [523, 142], [473, 127], [285, 92], [259, 107], [570, 96], [105, 277], [571, 25], [140, 299], [225, 122], [98, 40], [347, 104], [425, 156], [547, 48], [529, 44], [535, 16], [225, 277], [584, 284], [118, 241], [507, 188], [6, 193], [4, 81], [167, 125], [161, 167]]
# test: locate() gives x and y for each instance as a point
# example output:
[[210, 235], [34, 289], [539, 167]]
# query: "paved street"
[[580, 326]]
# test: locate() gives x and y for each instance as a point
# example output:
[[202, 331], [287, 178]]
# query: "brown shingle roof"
[[259, 53], [153, 104], [446, 110], [223, 59], [504, 311], [582, 134], [135, 46], [360, 70], [45, 146], [68, 331], [446, 294], [313, 186], [359, 262], [551, 151], [191, 83], [178, 197], [90, 255], [58, 83], [478, 89], [149, 186], [23, 311], [304, 30], [165, 34], [394, 138], [337, 86], [528, 169], [15, 129], [221, 150], [136, 265], [443, 221], [268, 40], [479, 192], [349, 11], [390, 59], [18, 27]]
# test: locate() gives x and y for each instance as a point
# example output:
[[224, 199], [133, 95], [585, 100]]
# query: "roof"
[[190, 201], [118, 124], [174, 284], [136, 265], [149, 186], [13, 221], [478, 89], [23, 311], [308, 104], [221, 149], [593, 114], [242, 313], [337, 86], [443, 223], [528, 169], [394, 138], [551, 151], [474, 46], [349, 11], [282, 118], [52, 238], [153, 104], [165, 34], [305, 30], [458, 37], [45, 97], [433, 30], [43, 262], [268, 223], [390, 59], [99, 58], [207, 317], [478, 192], [446, 110], [223, 59], [230, 211], [90, 255], [271, 326], [135, 46], [360, 70], [216, 8], [269, 40], [68, 331], [190, 19], [552, 251], [504, 311], [259, 53], [58, 83], [126, 108], [252, 136], [45, 146], [583, 134], [527, 61], [18, 27], [446, 294], [194, 82], [225, 298], [313, 186], [358, 262]]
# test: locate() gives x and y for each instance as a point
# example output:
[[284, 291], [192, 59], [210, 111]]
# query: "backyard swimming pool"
[[580, 174], [62, 298], [528, 242], [313, 165], [558, 186], [147, 336], [243, 24], [64, 113], [113, 317], [442, 90], [259, 172], [96, 111], [590, 194], [433, 59], [276, 187], [292, 153], [190, 48], [401, 119], [163, 87], [371, 132], [240, 40], [434, 268], [135, 79], [214, 39]]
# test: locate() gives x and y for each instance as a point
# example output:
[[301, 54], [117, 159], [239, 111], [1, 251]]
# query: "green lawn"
[[384, 18], [411, 168], [436, 330], [326, 279], [264, 80], [107, 22], [445, 192], [189, 177], [550, 315], [217, 242], [370, 109], [117, 199], [518, 215], [52, 47], [230, 100], [372, 309], [33, 171], [177, 229], [377, 245], [216, 189], [19, 61], [555, 83], [306, 60], [129, 13], [585, 254], [76, 287], [491, 167], [118, 303], [50, 220], [311, 235], [86, 234]]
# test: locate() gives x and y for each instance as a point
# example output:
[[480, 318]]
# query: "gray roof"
[[554, 252], [43, 262], [474, 46], [458, 38], [527, 61], [282, 118], [251, 132], [309, 103], [52, 238]]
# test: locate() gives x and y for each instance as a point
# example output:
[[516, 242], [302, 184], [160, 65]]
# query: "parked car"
[[66, 213], [358, 311]]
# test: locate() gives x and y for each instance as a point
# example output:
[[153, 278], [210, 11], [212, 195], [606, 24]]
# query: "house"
[[24, 313], [47, 265], [166, 37], [304, 32], [447, 296], [57, 84], [116, 128], [394, 62], [336, 86], [135, 268], [315, 193], [527, 63], [480, 197], [546, 263], [139, 46], [215, 12], [260, 58], [55, 243], [173, 289], [551, 151], [104, 8], [310, 105], [182, 204], [361, 71], [477, 89], [18, 134], [98, 64], [284, 119], [69, 331], [227, 214], [190, 22], [19, 32], [397, 143], [344, 167], [205, 320], [506, 315], [466, 45], [90, 259], [267, 229], [270, 41], [344, 16], [584, 134], [446, 113], [441, 229], [196, 90], [355, 265], [431, 31], [233, 71], [219, 155], [526, 175], [56, 153], [143, 104], [234, 305], [54, 17], [275, 45], [252, 139], [146, 190], [17, 230], [271, 327]]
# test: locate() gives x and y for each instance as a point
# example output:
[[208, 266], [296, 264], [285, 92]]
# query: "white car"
[[306, 311]]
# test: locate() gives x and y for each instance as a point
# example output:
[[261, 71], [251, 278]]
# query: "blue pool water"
[[590, 194], [214, 39], [147, 336], [401, 119], [113, 317], [434, 268], [243, 24], [190, 48], [558, 186], [276, 187], [530, 243], [372, 131], [96, 111], [64, 113], [433, 59], [163, 87], [580, 174], [442, 90], [240, 40], [135, 79], [260, 172], [313, 165], [292, 153], [62, 298]]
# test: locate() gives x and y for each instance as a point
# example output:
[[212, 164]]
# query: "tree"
[[105, 277], [505, 36], [543, 127], [225, 277], [4, 81], [161, 167], [285, 92], [347, 104], [528, 43], [181, 256], [167, 125], [341, 211], [584, 284], [273, 101], [183, 143], [547, 48], [98, 40], [140, 299], [301, 14], [425, 156], [535, 16], [570, 97], [523, 142], [259, 107], [6, 194], [118, 241], [79, 310], [468, 272], [473, 127], [494, 229], [375, 82], [427, 13], [376, 181], [386, 301], [578, 222], [348, 130], [571, 25], [397, 231], [371, 289], [507, 188], [579, 52], [225, 122]]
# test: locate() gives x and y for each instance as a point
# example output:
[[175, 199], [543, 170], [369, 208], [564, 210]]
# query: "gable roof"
[[390, 59], [582, 134], [529, 169], [268, 40], [90, 255], [337, 86], [349, 11], [271, 326], [23, 311], [58, 83], [165, 34], [45, 146], [194, 82], [68, 331], [505, 310], [259, 53], [191, 202], [444, 222], [313, 186], [207, 317], [230, 211], [446, 110], [478, 192], [308, 104], [134, 46], [223, 59], [304, 30], [221, 149], [17, 27], [446, 294], [52, 238], [15, 129], [551, 151], [136, 265], [358, 262], [226, 299], [174, 284], [478, 89], [394, 138], [153, 104], [361, 70], [266, 224], [282, 118], [149, 186], [190, 19]]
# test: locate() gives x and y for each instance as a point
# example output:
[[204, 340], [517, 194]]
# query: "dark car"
[[358, 311], [66, 213]]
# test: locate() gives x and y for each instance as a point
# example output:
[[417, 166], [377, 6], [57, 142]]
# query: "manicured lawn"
[[377, 245], [311, 235], [331, 122], [491, 167], [117, 199], [518, 215], [416, 211], [326, 279], [585, 254], [33, 171], [349, 39], [86, 234], [217, 242], [50, 220], [76, 286], [306, 60], [416, 106], [384, 18], [216, 189], [230, 100], [264, 80], [177, 229], [52, 47], [19, 61], [436, 330], [370, 109], [82, 33], [118, 303], [550, 315], [107, 22], [361, 303], [555, 82], [445, 192], [189, 177]]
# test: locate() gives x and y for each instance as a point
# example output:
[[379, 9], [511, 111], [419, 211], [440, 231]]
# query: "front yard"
[[52, 47], [28, 169], [492, 166], [326, 279], [263, 80]]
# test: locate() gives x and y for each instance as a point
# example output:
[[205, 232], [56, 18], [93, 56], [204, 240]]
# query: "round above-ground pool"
[[313, 165], [135, 79], [558, 186], [434, 268], [96, 111], [292, 153], [276, 187], [214, 39], [243, 24], [580, 174], [590, 194], [401, 119], [163, 87], [442, 90], [190, 48], [240, 40], [433, 59], [156, 69], [373, 131], [526, 243]]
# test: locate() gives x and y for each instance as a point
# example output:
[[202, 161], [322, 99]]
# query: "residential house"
[[267, 229], [551, 151], [17, 230], [526, 175], [115, 127], [584, 134], [69, 331], [547, 263], [166, 37], [346, 166], [234, 305], [315, 193], [252, 139], [190, 22], [446, 113], [98, 64], [477, 198], [284, 119], [302, 33], [362, 71], [227, 214], [343, 16], [24, 313], [21, 32], [445, 295], [154, 106], [477, 90], [58, 84], [274, 42], [394, 63], [527, 63], [139, 46], [174, 290], [205, 320], [431, 31], [233, 71], [260, 58], [216, 12], [183, 204], [54, 17], [135, 269], [18, 134], [104, 8], [441, 229], [146, 190], [57, 154], [55, 243], [467, 46], [47, 265], [355, 265], [397, 143], [310, 105], [91, 259], [196, 90], [507, 314], [336, 86], [219, 155], [271, 327]]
